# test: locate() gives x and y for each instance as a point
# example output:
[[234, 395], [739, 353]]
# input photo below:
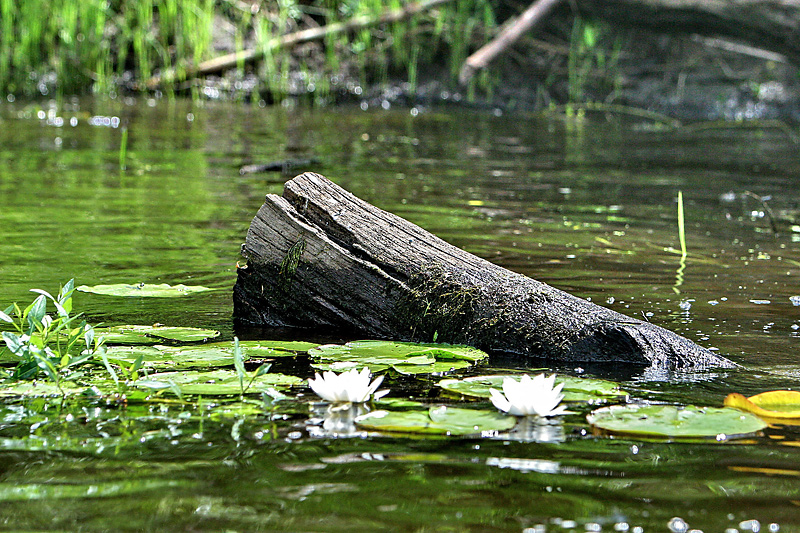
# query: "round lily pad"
[[670, 421], [216, 382], [778, 404], [405, 357], [137, 334], [144, 290], [440, 420], [575, 389], [174, 357]]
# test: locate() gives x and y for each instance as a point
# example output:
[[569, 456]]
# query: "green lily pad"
[[38, 389], [144, 290], [437, 367], [575, 389], [216, 382], [173, 357], [214, 354], [440, 420], [405, 357], [672, 421], [285, 346], [135, 334]]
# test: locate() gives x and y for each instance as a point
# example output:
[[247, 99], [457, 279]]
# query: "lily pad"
[[285, 346], [575, 389], [214, 354], [405, 357], [144, 290], [440, 420], [779, 404], [38, 389], [216, 382], [136, 334], [669, 421]]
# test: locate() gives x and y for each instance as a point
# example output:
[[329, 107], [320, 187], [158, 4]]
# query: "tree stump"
[[320, 257]]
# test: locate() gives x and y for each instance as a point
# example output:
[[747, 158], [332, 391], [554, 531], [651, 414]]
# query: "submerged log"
[[319, 256]]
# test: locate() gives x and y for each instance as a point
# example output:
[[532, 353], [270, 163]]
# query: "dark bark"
[[319, 256]]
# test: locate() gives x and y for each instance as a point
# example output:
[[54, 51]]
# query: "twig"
[[228, 61], [767, 210], [529, 18]]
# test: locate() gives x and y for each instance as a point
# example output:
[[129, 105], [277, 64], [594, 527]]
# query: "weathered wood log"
[[319, 256]]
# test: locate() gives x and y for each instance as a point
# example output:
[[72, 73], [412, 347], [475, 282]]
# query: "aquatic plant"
[[526, 397], [350, 387], [241, 373], [52, 344]]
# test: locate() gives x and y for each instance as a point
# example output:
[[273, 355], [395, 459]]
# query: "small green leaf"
[[35, 312], [16, 343], [144, 290], [5, 318], [238, 362]]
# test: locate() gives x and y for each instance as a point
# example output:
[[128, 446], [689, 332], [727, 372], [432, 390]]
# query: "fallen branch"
[[318, 257], [228, 61], [508, 36]]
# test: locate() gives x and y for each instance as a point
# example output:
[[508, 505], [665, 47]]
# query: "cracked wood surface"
[[364, 270]]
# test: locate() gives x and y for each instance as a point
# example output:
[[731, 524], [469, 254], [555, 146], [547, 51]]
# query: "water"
[[588, 206]]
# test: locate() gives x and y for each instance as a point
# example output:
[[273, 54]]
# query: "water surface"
[[588, 206]]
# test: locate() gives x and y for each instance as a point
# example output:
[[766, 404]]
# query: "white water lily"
[[528, 396], [351, 386]]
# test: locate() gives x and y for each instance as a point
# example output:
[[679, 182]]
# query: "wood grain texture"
[[319, 256]]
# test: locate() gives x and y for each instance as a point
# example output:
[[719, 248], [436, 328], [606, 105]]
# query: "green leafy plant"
[[49, 344], [241, 372]]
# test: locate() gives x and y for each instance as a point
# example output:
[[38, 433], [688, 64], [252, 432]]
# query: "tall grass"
[[72, 46], [76, 46]]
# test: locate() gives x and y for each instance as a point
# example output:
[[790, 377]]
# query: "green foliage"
[[49, 344], [74, 46], [83, 43]]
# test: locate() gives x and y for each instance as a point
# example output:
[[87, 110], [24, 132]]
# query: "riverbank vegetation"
[[380, 53]]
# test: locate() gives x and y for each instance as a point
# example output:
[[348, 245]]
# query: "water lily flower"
[[351, 386], [528, 396]]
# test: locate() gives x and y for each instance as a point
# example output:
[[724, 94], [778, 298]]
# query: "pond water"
[[587, 205]]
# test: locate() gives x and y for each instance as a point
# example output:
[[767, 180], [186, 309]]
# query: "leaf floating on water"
[[216, 382], [294, 347], [144, 290], [405, 357], [575, 389], [669, 421], [439, 420], [136, 334], [38, 389], [778, 404]]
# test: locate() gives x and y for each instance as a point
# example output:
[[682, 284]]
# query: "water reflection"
[[537, 429], [336, 420]]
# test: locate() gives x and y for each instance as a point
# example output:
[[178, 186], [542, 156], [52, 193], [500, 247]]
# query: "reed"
[[77, 46]]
